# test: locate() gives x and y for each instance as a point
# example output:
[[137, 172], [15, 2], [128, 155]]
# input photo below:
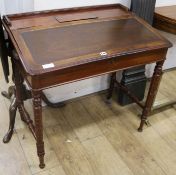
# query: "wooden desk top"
[[165, 19], [51, 41]]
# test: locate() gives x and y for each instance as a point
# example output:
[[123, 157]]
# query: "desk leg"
[[38, 126], [111, 88], [157, 75]]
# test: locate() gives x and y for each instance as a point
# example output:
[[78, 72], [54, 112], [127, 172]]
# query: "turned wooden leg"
[[38, 126], [21, 111], [20, 94], [111, 88], [12, 115], [157, 75]]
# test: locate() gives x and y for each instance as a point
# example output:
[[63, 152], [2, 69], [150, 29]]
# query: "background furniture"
[[165, 19]]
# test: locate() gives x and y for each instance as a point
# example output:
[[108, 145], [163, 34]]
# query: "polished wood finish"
[[73, 50], [45, 18], [37, 107], [165, 19], [157, 75], [76, 53], [115, 40]]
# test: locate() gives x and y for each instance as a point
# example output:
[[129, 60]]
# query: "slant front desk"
[[56, 47]]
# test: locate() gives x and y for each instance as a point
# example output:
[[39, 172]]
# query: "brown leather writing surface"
[[44, 45], [81, 43]]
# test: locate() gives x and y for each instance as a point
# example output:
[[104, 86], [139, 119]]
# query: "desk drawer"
[[93, 69]]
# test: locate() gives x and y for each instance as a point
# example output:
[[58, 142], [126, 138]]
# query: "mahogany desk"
[[52, 48]]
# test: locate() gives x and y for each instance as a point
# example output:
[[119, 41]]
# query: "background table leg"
[[111, 88], [157, 75], [16, 101], [38, 126], [12, 115]]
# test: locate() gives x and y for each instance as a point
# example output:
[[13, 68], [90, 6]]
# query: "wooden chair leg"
[[157, 75]]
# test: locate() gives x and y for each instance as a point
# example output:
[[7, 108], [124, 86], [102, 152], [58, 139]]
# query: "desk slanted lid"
[[80, 42]]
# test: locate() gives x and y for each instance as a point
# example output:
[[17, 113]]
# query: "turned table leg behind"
[[12, 115], [111, 87]]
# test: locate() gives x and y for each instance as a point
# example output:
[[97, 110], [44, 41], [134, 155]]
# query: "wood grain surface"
[[76, 46], [52, 55], [165, 19]]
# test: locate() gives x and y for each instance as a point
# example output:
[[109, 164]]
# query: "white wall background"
[[43, 4], [165, 2], [94, 84], [2, 7], [16, 6]]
